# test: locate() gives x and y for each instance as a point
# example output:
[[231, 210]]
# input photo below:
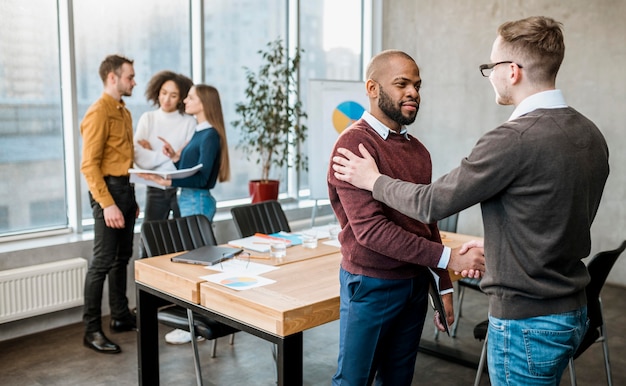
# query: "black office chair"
[[262, 217], [183, 234], [599, 267]]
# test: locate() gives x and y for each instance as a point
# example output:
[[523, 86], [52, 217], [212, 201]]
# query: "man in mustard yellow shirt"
[[107, 133]]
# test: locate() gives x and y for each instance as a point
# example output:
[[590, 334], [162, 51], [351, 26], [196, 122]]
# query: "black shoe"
[[123, 325], [100, 343]]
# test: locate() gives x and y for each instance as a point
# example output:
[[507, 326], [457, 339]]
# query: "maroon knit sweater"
[[378, 241]]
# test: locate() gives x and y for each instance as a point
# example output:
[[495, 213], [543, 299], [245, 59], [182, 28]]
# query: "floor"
[[57, 357]]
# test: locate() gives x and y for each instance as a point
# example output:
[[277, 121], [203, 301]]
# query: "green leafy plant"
[[272, 115]]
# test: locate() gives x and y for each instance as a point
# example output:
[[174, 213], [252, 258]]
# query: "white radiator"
[[42, 288]]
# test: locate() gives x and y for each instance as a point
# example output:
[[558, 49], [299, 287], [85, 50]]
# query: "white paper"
[[253, 243], [242, 266], [238, 282], [168, 174], [322, 231], [334, 243]]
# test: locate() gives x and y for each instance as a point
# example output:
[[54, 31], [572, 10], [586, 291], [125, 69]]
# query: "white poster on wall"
[[332, 107]]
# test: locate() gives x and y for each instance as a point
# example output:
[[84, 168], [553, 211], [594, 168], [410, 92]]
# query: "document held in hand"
[[168, 174], [435, 300]]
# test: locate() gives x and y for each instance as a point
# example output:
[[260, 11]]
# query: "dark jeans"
[[159, 202], [380, 326], [112, 249]]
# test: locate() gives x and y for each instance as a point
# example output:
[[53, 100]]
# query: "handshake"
[[468, 260]]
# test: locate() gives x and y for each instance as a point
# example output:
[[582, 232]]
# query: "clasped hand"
[[468, 260]]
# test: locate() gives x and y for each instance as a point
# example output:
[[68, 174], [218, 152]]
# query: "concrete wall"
[[450, 38]]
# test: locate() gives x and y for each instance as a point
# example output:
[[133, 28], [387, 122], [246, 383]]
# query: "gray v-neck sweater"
[[539, 179]]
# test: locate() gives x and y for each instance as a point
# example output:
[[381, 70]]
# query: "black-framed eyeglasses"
[[242, 258], [485, 69]]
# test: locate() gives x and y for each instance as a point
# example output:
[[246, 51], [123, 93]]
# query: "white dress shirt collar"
[[380, 128], [203, 126], [551, 99]]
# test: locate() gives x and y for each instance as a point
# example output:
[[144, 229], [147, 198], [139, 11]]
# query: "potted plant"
[[271, 118]]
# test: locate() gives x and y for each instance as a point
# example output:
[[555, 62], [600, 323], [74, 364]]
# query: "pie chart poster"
[[332, 107]]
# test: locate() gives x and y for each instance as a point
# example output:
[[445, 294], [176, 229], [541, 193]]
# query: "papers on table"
[[238, 282], [168, 174], [242, 266], [261, 242], [240, 274]]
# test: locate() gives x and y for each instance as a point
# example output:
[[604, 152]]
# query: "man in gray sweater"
[[539, 178]]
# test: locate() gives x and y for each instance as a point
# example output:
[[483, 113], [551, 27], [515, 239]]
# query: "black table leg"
[[147, 338], [289, 360]]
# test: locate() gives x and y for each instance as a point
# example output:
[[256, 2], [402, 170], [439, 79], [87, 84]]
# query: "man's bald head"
[[381, 60]]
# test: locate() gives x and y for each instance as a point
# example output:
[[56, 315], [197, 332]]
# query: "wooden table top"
[[183, 280], [305, 294]]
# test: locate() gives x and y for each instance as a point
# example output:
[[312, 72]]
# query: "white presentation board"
[[332, 106]]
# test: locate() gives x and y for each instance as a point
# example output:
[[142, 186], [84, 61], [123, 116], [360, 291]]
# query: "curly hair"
[[153, 89]]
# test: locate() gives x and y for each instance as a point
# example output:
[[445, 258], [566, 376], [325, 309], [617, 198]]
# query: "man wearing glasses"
[[539, 178]]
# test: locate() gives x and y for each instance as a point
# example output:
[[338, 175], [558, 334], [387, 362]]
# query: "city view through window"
[[157, 35]]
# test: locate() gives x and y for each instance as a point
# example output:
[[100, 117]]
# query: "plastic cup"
[[309, 240], [278, 249]]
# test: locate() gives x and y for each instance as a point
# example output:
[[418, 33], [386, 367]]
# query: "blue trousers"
[[380, 326], [533, 351]]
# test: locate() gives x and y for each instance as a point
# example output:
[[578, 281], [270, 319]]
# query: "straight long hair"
[[212, 107]]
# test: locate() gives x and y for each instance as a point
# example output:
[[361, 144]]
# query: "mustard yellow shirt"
[[107, 131]]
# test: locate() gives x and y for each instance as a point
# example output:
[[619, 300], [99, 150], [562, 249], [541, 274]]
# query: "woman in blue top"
[[208, 147]]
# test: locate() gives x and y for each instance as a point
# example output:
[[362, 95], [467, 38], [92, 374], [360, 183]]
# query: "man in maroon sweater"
[[384, 272]]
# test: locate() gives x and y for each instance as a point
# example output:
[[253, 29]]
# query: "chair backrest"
[[175, 235], [262, 217], [599, 267], [448, 224]]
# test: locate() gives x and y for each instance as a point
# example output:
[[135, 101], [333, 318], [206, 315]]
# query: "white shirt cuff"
[[445, 258]]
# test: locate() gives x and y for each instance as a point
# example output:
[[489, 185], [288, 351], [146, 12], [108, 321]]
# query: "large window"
[[32, 187], [157, 35]]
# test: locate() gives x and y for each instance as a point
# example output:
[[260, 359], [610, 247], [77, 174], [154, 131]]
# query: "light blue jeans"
[[533, 351], [197, 201]]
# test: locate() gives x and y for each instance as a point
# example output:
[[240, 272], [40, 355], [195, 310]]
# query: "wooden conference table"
[[305, 295]]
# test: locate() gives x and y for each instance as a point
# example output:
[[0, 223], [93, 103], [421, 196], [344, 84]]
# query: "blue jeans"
[[533, 351], [197, 201], [380, 326]]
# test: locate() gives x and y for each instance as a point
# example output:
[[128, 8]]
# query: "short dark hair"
[[153, 89], [112, 63], [537, 43]]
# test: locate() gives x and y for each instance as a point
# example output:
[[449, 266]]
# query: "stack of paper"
[[259, 242], [167, 174]]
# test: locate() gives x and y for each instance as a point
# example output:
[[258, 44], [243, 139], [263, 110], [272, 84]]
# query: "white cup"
[[309, 240], [278, 249], [333, 232]]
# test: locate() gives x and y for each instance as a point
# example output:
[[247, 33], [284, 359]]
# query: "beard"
[[394, 111]]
